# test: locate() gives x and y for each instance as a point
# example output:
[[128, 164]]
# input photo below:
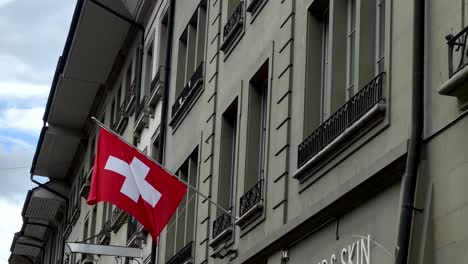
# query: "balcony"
[[130, 98], [222, 229], [255, 5], [251, 205], [104, 235], [84, 191], [118, 218], [135, 235], [121, 118], [156, 88], [187, 95], [233, 27], [184, 256], [457, 84], [142, 118], [367, 105]]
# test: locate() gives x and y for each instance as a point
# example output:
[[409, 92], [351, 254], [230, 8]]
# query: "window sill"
[[252, 214], [457, 86], [347, 124], [233, 30], [224, 236], [188, 96], [231, 42], [118, 219], [254, 8], [374, 114]]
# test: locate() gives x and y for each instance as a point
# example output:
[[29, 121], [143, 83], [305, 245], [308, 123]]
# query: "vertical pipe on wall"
[[165, 101], [413, 158]]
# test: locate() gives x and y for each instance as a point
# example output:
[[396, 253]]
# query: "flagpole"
[[99, 123]]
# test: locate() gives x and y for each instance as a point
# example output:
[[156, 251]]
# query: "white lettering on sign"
[[355, 253]]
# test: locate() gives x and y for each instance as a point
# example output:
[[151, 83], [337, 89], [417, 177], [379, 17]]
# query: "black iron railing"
[[141, 107], [118, 218], [222, 223], [104, 235], [188, 92], [183, 255], [251, 198], [458, 52], [344, 117], [132, 227], [254, 4], [236, 19], [156, 80]]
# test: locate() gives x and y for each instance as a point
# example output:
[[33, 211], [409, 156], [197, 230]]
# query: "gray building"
[[333, 131]]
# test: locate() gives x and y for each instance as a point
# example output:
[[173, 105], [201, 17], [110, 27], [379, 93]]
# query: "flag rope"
[[100, 124]]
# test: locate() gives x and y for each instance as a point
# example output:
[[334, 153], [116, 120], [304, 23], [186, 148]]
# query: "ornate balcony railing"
[[187, 93], [118, 218], [254, 5], [234, 22], [251, 198], [156, 80], [343, 118], [140, 107], [132, 230], [183, 256], [221, 224], [155, 90], [104, 235], [458, 52]]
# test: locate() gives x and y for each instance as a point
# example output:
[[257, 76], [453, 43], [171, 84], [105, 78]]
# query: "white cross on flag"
[[129, 180]]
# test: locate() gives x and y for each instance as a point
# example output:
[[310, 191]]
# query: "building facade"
[[299, 117]]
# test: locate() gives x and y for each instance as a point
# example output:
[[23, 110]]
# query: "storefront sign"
[[355, 253]]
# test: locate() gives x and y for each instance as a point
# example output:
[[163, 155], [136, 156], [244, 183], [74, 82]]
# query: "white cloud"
[[28, 119], [22, 90], [9, 225], [5, 2]]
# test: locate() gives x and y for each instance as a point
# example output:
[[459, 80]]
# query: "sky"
[[32, 35]]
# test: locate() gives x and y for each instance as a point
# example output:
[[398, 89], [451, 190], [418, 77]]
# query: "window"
[[334, 72], [128, 81], [190, 64], [233, 17], [324, 87], [257, 128], [231, 7], [162, 41], [85, 235], [181, 227], [104, 213], [351, 49], [93, 225], [227, 165], [155, 148], [349, 85], [112, 113], [191, 50], [380, 36], [148, 69]]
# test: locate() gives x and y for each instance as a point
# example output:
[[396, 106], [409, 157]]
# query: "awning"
[[93, 43], [42, 206], [42, 210], [29, 248]]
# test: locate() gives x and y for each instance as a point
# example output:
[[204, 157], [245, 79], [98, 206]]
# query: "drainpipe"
[[165, 101], [413, 158]]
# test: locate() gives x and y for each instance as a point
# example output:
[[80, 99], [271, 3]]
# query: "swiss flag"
[[129, 180]]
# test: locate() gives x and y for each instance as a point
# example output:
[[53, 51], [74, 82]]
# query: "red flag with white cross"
[[128, 179]]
